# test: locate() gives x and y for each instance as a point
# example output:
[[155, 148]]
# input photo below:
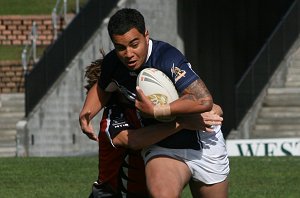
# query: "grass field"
[[28, 7], [251, 177], [71, 177], [13, 52]]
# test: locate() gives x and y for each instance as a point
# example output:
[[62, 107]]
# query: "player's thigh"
[[166, 176], [217, 190]]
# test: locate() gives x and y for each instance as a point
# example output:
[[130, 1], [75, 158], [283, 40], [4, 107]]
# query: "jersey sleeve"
[[113, 122], [115, 119], [175, 65], [107, 70], [183, 75]]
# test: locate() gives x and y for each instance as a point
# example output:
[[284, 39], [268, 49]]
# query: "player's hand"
[[86, 126], [210, 118], [143, 104]]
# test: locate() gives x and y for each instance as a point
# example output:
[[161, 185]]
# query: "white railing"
[[59, 15], [59, 12], [30, 54]]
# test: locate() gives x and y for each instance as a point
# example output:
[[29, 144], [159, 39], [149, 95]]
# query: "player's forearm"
[[185, 105], [95, 101], [194, 99], [92, 103], [143, 137]]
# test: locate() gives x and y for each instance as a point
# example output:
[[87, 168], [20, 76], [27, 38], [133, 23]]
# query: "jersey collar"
[[149, 50]]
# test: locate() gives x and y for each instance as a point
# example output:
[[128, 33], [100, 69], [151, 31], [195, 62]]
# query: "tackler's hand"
[[86, 126], [211, 120]]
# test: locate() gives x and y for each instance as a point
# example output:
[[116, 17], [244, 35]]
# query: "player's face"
[[132, 48]]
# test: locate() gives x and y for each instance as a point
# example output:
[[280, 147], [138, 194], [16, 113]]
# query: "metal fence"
[[266, 62], [29, 51], [59, 54]]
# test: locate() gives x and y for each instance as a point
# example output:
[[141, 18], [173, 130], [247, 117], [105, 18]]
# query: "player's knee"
[[165, 192]]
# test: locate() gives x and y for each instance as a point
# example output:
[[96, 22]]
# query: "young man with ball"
[[121, 170], [195, 157]]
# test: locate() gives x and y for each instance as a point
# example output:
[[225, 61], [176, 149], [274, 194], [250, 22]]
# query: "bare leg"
[[218, 190], [166, 177]]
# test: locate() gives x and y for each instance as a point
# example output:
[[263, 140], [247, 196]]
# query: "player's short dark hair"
[[124, 20]]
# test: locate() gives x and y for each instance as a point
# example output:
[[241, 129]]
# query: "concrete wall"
[[52, 129]]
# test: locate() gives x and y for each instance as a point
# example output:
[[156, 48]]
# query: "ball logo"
[[148, 78], [158, 99]]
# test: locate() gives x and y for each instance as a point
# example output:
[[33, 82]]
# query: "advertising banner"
[[264, 147]]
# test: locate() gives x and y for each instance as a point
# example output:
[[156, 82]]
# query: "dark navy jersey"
[[116, 77]]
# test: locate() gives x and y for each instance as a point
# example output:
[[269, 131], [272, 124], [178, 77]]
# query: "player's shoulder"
[[110, 60], [111, 57], [163, 47], [165, 55]]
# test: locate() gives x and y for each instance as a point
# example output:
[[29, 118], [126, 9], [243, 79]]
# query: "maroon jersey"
[[121, 168]]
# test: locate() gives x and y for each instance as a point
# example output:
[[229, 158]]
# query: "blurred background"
[[246, 51]]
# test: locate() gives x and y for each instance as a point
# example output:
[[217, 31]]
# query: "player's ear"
[[147, 36]]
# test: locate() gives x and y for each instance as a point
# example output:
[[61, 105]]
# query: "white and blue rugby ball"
[[158, 88]]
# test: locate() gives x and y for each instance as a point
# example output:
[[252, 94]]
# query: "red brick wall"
[[11, 77], [15, 29]]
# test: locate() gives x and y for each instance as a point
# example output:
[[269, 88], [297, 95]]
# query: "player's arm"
[[94, 102], [194, 99], [146, 136]]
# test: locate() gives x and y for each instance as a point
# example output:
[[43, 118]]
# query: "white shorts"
[[209, 165]]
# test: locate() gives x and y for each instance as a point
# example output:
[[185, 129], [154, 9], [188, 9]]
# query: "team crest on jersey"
[[179, 73]]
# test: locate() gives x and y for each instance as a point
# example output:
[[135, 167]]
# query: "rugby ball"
[[158, 88]]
